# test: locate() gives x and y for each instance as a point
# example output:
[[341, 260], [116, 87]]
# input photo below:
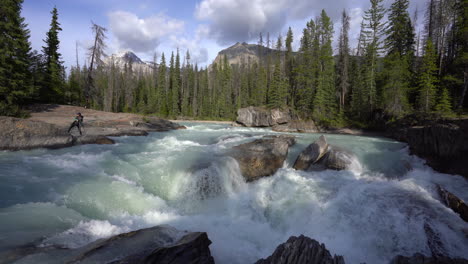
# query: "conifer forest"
[[395, 69]]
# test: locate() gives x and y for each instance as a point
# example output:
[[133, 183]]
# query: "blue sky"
[[204, 27]]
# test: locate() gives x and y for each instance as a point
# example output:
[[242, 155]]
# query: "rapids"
[[369, 213]]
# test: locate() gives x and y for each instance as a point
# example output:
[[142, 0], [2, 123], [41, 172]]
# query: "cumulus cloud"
[[142, 34], [198, 54], [242, 20]]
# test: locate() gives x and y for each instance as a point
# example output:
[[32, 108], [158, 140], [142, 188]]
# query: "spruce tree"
[[400, 48], [427, 78], [373, 31], [52, 87], [325, 106], [162, 88], [343, 60], [443, 105], [15, 77]]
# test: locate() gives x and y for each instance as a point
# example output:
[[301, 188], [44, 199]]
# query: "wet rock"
[[421, 259], [160, 244], [337, 158], [262, 157], [453, 202], [17, 133], [193, 248], [434, 242], [321, 156], [311, 154], [301, 250], [443, 143]]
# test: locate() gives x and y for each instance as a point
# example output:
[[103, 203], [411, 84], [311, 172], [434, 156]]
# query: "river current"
[[375, 210]]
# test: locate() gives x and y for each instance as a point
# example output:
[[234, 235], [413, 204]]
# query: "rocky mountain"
[[243, 52], [129, 58]]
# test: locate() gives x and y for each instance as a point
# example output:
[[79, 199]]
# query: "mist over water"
[[369, 213]]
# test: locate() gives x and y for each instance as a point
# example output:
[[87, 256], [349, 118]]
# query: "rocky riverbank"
[[48, 127], [443, 143]]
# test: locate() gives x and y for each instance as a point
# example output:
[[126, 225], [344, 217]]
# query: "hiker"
[[78, 122]]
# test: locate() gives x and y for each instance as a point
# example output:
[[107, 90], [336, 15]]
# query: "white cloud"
[[142, 34], [198, 54], [242, 20]]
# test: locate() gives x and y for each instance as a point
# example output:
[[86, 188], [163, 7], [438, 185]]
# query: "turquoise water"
[[369, 213]]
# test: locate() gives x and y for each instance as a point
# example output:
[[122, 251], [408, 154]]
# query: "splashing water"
[[369, 213]]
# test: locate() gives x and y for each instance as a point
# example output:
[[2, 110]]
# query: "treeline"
[[393, 70]]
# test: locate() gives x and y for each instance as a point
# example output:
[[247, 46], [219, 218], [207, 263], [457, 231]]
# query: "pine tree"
[[96, 53], [373, 32], [176, 94], [343, 60], [289, 66], [443, 105], [325, 106], [162, 88], [52, 87], [400, 48], [15, 76], [427, 78]]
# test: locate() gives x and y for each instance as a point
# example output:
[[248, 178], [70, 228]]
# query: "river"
[[370, 213]]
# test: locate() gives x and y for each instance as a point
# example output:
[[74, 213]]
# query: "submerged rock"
[[160, 244], [311, 154], [421, 259], [262, 157], [453, 202], [301, 250]]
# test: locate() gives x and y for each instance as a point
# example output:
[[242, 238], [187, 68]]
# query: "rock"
[[421, 259], [279, 117], [254, 117], [301, 250], [17, 133], [434, 242], [442, 143], [299, 126], [262, 157], [338, 158], [321, 156], [101, 140], [160, 244], [311, 154], [193, 248], [453, 202]]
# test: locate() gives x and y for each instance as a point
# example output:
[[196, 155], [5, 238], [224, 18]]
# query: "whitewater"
[[375, 210]]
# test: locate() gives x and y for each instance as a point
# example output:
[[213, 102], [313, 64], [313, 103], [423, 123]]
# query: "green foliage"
[[427, 79], [52, 88], [16, 82], [443, 105]]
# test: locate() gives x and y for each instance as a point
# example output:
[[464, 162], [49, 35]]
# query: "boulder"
[[160, 244], [301, 250], [453, 202], [279, 116], [321, 156], [17, 133], [311, 154], [262, 157], [337, 158], [421, 259], [299, 126], [254, 117]]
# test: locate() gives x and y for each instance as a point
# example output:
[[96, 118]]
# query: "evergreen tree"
[[325, 106], [373, 32], [400, 48], [443, 105], [289, 66], [162, 88], [343, 60], [427, 78], [15, 77], [96, 53], [52, 87]]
